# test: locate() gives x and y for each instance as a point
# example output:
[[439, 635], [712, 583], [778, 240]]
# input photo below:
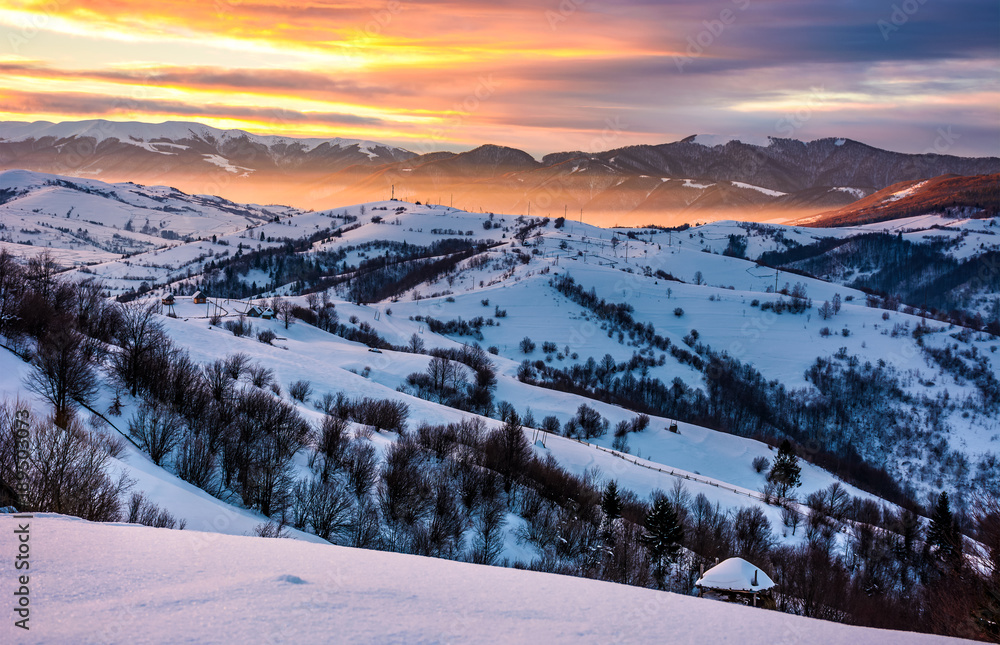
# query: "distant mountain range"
[[699, 177]]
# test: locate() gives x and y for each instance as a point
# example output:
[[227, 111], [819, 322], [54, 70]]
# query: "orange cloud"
[[545, 75]]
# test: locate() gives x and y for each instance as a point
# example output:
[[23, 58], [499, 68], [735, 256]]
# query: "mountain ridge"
[[695, 178]]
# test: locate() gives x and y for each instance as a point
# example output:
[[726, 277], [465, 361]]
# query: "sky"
[[540, 75]]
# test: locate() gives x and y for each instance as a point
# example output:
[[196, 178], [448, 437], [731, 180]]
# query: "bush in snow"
[[587, 423], [551, 424], [300, 390], [239, 327], [383, 414], [260, 376], [145, 512]]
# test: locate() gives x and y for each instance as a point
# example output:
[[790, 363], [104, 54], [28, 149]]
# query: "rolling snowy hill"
[[886, 404], [111, 583], [720, 297]]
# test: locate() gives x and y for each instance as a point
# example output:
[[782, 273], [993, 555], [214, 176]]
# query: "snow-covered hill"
[[86, 221], [725, 304], [106, 583], [681, 324], [958, 197]]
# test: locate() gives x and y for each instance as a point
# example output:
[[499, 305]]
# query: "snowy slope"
[[200, 511], [621, 270], [84, 220], [103, 583], [705, 461]]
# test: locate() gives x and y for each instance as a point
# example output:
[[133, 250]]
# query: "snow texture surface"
[[101, 583]]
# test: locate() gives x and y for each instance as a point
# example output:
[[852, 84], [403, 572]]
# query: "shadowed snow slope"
[[105, 583]]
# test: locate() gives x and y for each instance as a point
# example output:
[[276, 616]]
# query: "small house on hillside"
[[267, 314], [737, 580], [255, 311], [168, 299], [199, 298]]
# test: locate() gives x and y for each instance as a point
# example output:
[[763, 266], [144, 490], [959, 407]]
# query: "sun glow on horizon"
[[542, 77]]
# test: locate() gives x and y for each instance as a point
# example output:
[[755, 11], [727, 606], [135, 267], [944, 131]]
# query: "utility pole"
[[393, 194]]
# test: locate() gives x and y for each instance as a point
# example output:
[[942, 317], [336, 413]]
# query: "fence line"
[[794, 506]]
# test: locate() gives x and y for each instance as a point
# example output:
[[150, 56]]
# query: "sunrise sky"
[[543, 76]]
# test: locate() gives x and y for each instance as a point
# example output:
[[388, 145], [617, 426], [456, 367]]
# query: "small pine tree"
[[611, 506], [785, 473], [662, 537], [943, 534], [611, 502]]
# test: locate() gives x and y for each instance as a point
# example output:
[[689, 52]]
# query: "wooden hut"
[[737, 580], [199, 298], [168, 299], [255, 311]]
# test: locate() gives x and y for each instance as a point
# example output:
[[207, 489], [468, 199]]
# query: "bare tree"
[[12, 285], [139, 335], [221, 385], [64, 472], [42, 272], [300, 390], [237, 364], [488, 524], [260, 376], [196, 462], [331, 446], [62, 372], [282, 310], [156, 429], [362, 468], [267, 434], [326, 507]]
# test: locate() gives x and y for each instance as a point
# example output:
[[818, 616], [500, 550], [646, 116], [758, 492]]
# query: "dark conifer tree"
[[662, 537], [611, 506], [785, 473], [611, 502], [943, 535]]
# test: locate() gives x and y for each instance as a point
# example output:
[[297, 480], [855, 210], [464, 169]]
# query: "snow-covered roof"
[[735, 574]]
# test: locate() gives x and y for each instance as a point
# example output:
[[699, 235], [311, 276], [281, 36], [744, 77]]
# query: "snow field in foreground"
[[113, 583]]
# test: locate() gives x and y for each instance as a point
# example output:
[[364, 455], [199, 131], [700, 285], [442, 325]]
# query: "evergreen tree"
[[785, 473], [611, 502], [611, 505], [943, 534], [662, 537]]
